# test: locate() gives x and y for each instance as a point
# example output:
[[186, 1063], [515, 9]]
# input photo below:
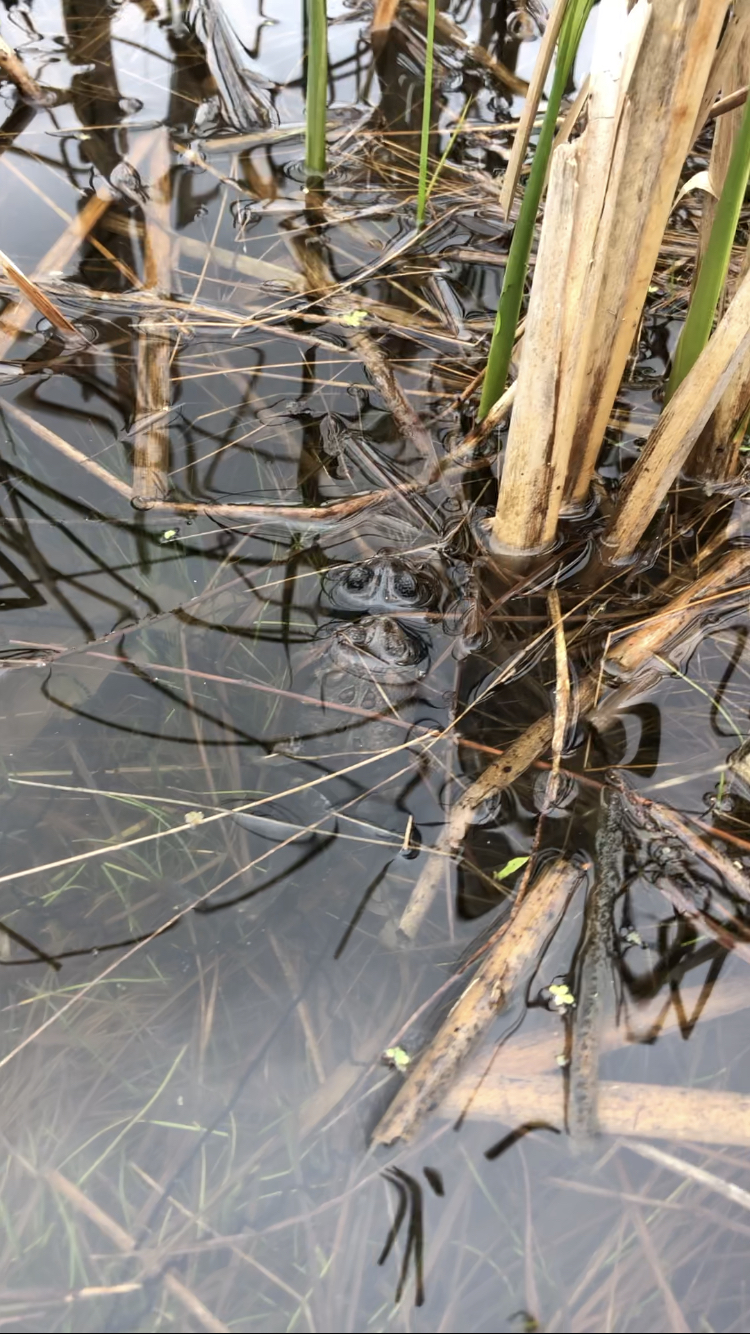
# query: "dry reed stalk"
[[36, 297], [678, 428], [657, 105], [155, 347], [634, 654], [14, 69], [530, 106], [521, 945], [534, 472], [658, 1111]]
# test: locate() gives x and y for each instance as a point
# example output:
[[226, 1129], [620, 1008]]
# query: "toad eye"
[[359, 578], [405, 585]]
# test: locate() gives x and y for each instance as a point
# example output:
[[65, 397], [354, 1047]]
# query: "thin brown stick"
[[524, 943], [530, 106], [125, 1243]]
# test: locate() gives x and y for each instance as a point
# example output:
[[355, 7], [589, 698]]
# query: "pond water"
[[195, 1007]]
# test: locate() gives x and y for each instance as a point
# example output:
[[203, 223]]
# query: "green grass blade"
[[317, 87], [424, 145], [518, 258], [713, 271], [448, 147]]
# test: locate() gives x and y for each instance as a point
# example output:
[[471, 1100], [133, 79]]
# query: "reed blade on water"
[[317, 86], [713, 270], [518, 259], [424, 145]]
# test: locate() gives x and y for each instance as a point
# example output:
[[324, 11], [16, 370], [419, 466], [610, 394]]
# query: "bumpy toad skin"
[[387, 583], [378, 648]]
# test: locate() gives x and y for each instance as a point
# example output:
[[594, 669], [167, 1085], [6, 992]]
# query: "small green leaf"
[[398, 1057], [514, 864]]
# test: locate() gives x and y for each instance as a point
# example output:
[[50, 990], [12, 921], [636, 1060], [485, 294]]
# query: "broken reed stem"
[[704, 921], [534, 472], [716, 455], [674, 826], [633, 654], [678, 428], [521, 945]]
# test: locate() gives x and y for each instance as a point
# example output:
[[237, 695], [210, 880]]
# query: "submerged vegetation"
[[373, 535]]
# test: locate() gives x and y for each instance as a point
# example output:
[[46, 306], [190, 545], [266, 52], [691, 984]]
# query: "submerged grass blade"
[[424, 146], [713, 270], [317, 87], [518, 259]]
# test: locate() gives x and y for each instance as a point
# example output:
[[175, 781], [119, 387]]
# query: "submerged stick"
[[523, 944], [658, 1111], [583, 1071]]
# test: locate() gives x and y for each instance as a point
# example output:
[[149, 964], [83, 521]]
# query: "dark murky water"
[[194, 1008]]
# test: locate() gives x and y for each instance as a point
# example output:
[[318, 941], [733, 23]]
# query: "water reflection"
[[197, 997]]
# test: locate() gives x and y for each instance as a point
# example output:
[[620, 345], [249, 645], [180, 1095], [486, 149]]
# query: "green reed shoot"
[[511, 296], [715, 265], [317, 87], [424, 145]]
